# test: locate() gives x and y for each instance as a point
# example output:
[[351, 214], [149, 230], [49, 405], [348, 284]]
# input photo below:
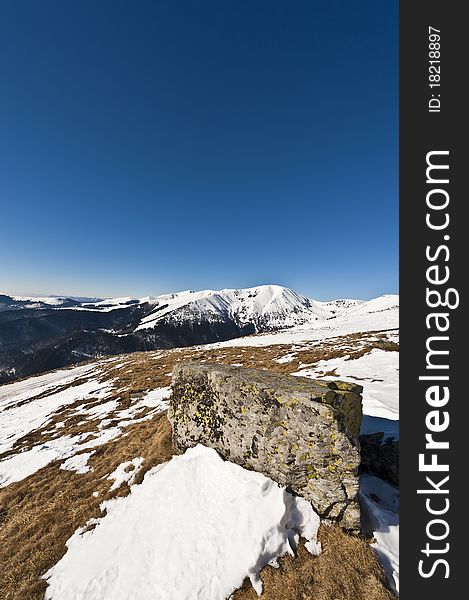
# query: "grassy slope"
[[39, 513]]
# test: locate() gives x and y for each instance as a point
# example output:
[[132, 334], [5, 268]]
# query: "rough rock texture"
[[300, 432], [380, 457]]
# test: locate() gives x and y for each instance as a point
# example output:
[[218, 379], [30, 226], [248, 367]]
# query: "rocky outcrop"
[[300, 432], [380, 457]]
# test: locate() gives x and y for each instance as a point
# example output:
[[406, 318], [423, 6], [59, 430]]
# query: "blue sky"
[[155, 146]]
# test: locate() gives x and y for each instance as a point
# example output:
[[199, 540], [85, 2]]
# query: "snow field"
[[197, 527], [378, 373], [20, 417]]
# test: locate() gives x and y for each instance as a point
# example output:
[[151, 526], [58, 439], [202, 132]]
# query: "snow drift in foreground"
[[197, 527]]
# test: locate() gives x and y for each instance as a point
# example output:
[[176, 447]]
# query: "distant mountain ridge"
[[20, 302], [44, 333]]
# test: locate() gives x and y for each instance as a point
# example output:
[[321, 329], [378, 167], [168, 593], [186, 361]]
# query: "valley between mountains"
[[88, 470]]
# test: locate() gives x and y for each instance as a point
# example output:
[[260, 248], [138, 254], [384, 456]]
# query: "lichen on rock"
[[300, 432]]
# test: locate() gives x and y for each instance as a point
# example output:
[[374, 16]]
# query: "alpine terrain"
[[96, 501], [40, 334]]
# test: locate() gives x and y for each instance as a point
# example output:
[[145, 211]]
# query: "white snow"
[[111, 304], [285, 359], [100, 410], [377, 371], [52, 300], [378, 314], [124, 473], [280, 306], [380, 508], [196, 528], [23, 464], [18, 416], [18, 466], [157, 398], [122, 300], [14, 393], [271, 306], [77, 463]]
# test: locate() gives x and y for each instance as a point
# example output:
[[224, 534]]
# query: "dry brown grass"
[[39, 513], [346, 569], [306, 353]]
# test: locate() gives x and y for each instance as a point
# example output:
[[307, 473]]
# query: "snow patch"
[[380, 508], [100, 410], [126, 471], [18, 416], [378, 373], [51, 300], [195, 528], [285, 359], [19, 466], [77, 463], [157, 398]]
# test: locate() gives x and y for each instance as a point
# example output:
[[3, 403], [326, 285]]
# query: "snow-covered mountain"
[[39, 334], [265, 306]]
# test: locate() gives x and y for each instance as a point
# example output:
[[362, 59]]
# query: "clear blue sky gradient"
[[155, 146]]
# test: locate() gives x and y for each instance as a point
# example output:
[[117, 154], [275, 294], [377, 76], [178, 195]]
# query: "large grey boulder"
[[300, 432]]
